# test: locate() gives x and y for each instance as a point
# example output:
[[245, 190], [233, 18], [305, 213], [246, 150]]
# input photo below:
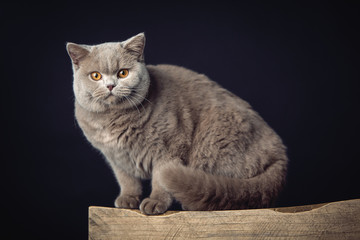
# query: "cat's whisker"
[[137, 100], [133, 104], [127, 93], [126, 90], [134, 92]]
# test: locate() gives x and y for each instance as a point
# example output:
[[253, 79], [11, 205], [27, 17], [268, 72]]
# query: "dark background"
[[296, 63]]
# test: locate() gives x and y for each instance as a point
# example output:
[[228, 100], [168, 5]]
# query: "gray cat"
[[198, 143]]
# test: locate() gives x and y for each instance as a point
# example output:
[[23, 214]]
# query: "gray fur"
[[197, 142]]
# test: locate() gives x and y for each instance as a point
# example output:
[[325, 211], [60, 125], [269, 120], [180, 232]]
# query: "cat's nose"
[[110, 87]]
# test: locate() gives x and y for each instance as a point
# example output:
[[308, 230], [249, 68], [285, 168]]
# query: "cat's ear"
[[135, 45], [77, 52]]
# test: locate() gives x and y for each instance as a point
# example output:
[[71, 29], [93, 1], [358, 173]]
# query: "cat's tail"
[[198, 190]]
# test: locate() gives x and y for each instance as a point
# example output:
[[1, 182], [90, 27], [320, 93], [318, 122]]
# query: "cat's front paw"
[[151, 206], [127, 201]]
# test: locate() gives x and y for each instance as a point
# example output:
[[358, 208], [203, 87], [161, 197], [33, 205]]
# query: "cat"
[[200, 145]]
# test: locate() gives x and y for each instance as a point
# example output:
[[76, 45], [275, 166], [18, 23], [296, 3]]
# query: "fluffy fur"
[[197, 142]]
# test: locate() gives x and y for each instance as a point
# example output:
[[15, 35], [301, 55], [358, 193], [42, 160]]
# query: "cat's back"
[[177, 76], [180, 82], [167, 70]]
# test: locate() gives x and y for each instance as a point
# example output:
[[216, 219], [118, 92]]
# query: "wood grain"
[[336, 220]]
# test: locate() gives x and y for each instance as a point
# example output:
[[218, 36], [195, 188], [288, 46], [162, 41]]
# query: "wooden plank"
[[336, 220]]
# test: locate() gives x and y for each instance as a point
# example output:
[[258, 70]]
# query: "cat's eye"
[[96, 76], [123, 73]]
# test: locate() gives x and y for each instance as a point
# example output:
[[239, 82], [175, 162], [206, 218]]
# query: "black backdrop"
[[296, 63]]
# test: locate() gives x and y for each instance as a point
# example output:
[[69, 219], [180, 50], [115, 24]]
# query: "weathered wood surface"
[[336, 220]]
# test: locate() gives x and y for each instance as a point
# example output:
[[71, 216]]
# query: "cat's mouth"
[[116, 97], [111, 98], [110, 95]]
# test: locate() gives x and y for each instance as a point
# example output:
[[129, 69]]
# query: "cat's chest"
[[111, 135], [119, 145], [97, 133]]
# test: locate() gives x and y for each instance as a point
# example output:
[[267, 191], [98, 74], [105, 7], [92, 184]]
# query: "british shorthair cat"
[[198, 143]]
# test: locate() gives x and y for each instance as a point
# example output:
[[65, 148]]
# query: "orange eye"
[[96, 76], [123, 73]]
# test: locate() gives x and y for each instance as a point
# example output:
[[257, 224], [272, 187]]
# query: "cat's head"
[[110, 75]]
